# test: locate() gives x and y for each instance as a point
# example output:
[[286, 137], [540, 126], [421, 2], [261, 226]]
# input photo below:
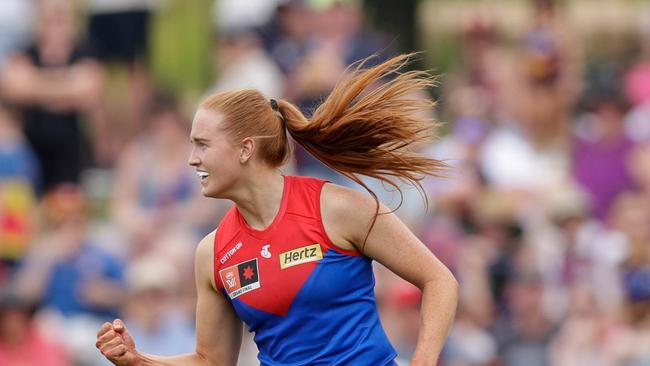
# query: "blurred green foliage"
[[181, 45]]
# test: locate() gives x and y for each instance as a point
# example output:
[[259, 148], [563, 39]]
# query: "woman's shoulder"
[[342, 199], [347, 214], [206, 245]]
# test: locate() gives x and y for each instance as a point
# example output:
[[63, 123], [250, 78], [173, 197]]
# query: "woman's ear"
[[247, 149]]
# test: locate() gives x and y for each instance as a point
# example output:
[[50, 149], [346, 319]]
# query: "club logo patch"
[[266, 253], [310, 253], [240, 278]]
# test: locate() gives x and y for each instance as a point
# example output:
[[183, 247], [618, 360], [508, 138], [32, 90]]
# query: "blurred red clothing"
[[637, 84], [33, 350]]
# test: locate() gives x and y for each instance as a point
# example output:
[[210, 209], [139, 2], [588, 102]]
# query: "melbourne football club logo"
[[265, 251], [230, 279], [240, 278]]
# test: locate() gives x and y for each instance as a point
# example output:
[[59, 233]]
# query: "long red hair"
[[367, 126]]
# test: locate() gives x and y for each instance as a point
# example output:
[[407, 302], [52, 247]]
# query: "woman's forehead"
[[206, 122], [208, 115]]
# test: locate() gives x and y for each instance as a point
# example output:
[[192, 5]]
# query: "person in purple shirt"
[[600, 151]]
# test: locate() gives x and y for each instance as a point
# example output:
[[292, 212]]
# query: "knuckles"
[[110, 343], [105, 345]]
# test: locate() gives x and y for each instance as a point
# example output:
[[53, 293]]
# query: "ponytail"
[[368, 126]]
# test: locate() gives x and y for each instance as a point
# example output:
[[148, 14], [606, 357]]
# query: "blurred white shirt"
[[256, 70], [511, 162]]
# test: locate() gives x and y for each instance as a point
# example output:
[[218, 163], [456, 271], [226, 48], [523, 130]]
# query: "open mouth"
[[202, 175]]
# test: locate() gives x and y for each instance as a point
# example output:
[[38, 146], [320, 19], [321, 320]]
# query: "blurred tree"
[[181, 45], [396, 18]]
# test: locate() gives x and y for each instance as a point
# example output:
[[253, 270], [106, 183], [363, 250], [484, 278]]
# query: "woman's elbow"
[[454, 286], [446, 282]]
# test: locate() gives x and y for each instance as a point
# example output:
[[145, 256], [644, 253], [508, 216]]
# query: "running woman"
[[293, 257]]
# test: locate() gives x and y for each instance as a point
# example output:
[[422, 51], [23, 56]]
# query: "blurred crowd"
[[543, 216]]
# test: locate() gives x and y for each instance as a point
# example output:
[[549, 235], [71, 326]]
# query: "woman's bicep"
[[218, 329], [392, 244], [348, 215]]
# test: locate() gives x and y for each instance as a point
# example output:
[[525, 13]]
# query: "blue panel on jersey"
[[332, 321]]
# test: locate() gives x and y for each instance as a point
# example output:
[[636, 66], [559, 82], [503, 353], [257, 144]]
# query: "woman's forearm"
[[439, 301], [189, 359]]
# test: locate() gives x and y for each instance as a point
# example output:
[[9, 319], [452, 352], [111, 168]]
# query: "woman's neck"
[[259, 201]]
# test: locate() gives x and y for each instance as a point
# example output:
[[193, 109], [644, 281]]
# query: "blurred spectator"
[[17, 203], [469, 343], [639, 166], [540, 167], [156, 321], [56, 82], [480, 288], [637, 91], [155, 191], [17, 160], [543, 56], [524, 333], [550, 52], [500, 242], [534, 127], [119, 29], [445, 237], [637, 77], [243, 63], [460, 149], [405, 300], [337, 37], [235, 14], [630, 216], [637, 80], [537, 87], [580, 251], [16, 17], [63, 269], [286, 35], [78, 284], [588, 336], [637, 127], [472, 87], [19, 176], [399, 307], [21, 342], [601, 151]]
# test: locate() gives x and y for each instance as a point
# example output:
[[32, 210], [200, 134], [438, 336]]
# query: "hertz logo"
[[302, 255]]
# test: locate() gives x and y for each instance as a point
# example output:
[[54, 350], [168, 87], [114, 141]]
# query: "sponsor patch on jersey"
[[231, 252], [240, 278], [310, 253]]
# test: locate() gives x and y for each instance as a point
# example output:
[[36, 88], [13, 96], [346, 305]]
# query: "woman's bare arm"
[[347, 215], [218, 329]]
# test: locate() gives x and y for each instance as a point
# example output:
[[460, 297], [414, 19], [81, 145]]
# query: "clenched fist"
[[116, 344]]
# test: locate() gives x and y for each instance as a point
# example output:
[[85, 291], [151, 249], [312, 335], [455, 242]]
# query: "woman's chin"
[[210, 193], [206, 192]]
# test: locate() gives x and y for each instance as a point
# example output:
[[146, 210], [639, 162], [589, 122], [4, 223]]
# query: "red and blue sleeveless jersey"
[[307, 301]]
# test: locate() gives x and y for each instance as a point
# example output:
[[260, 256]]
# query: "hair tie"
[[276, 108]]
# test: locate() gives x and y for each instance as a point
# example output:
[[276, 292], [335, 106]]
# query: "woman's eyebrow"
[[197, 139]]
